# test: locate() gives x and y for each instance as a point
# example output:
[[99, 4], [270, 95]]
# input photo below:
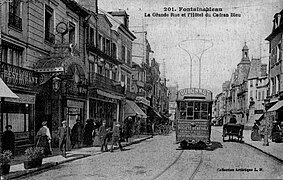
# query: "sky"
[[213, 44]]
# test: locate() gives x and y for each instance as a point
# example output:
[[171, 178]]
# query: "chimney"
[[122, 16]]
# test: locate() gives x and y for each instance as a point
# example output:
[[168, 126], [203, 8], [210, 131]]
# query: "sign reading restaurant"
[[18, 76], [191, 92]]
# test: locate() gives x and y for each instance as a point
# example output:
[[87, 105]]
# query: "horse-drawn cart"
[[233, 130]]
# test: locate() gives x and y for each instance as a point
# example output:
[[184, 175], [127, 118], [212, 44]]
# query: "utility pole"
[[191, 64]]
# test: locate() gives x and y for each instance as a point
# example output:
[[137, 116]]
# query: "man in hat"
[[103, 138], [8, 140], [77, 134], [64, 138], [116, 136], [43, 139]]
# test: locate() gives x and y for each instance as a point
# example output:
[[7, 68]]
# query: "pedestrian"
[[103, 138], [88, 133], [233, 119], [64, 138], [43, 139], [116, 136], [127, 128], [8, 140], [255, 135], [77, 134]]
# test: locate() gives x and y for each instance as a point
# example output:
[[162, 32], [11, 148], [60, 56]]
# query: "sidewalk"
[[17, 169], [274, 149]]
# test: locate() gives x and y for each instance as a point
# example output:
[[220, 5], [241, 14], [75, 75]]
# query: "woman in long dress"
[[43, 139]]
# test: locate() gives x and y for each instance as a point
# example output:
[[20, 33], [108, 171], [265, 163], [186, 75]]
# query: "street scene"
[[174, 89], [160, 158]]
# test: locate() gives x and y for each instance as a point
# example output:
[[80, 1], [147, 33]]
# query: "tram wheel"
[[184, 144]]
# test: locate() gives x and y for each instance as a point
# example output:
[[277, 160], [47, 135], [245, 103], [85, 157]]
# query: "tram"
[[193, 117]]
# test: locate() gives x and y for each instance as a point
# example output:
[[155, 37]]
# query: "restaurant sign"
[[14, 75]]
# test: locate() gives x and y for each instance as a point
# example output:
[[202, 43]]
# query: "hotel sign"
[[194, 92]]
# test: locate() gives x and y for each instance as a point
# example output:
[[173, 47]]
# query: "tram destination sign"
[[194, 92]]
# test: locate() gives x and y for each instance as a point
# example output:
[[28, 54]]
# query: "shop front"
[[144, 105], [105, 106], [63, 94], [20, 112], [131, 109]]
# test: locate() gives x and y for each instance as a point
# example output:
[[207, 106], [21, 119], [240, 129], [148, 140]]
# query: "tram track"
[[195, 171]]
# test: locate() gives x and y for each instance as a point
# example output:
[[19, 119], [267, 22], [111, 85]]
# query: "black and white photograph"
[[141, 89]]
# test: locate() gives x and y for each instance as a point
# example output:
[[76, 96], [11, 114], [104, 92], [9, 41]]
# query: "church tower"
[[244, 65], [245, 53]]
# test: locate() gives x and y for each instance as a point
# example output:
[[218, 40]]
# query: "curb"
[[53, 164], [266, 153]]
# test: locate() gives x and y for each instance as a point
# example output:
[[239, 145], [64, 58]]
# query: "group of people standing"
[[79, 135], [72, 138]]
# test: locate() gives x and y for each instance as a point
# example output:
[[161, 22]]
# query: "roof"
[[255, 69], [245, 47]]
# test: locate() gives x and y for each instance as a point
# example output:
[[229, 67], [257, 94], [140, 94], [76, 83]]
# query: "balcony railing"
[[92, 48], [102, 82], [49, 37], [15, 21]]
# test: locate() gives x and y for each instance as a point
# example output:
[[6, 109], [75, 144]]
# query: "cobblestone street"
[[159, 158]]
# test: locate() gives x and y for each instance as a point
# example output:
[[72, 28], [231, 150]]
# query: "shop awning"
[[256, 117], [5, 91], [155, 112], [276, 106], [132, 109]]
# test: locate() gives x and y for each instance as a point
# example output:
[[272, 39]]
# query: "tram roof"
[[201, 100]]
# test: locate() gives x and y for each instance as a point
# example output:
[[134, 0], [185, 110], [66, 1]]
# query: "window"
[[114, 75], [91, 70], [99, 69], [107, 73], [91, 37], [278, 52], [278, 83], [108, 47], [129, 57], [72, 33], [15, 19], [49, 25], [100, 41], [103, 45], [124, 53], [259, 96], [114, 51], [128, 83], [251, 83], [251, 94], [263, 95], [12, 55]]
